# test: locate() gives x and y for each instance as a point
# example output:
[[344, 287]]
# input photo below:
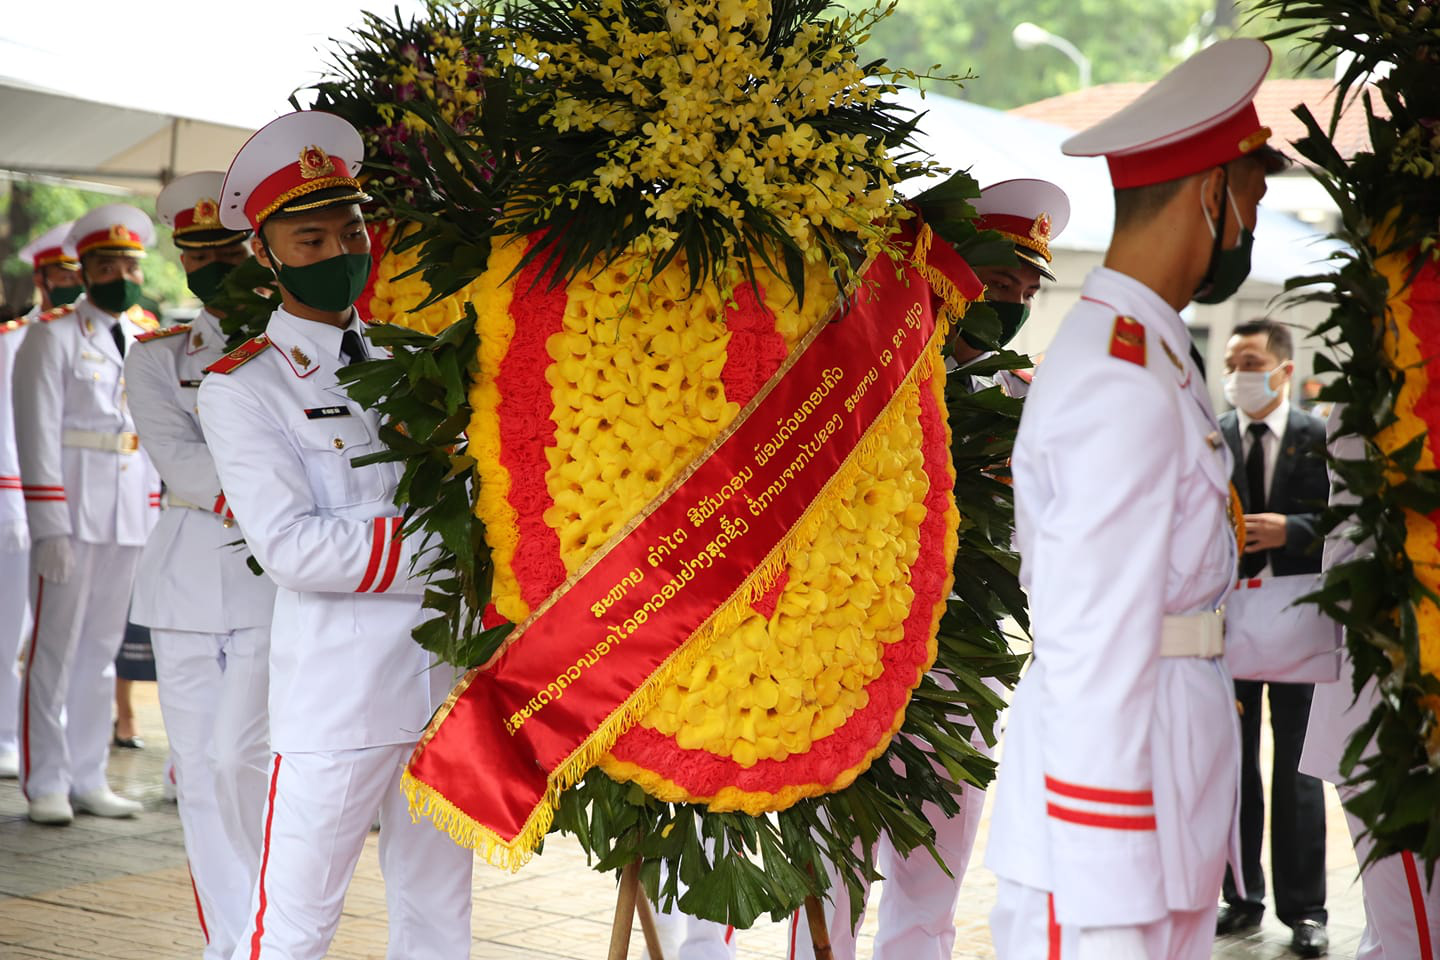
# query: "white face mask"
[[1251, 391]]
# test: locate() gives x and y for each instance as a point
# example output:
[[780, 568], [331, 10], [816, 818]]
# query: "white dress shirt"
[[1276, 421]]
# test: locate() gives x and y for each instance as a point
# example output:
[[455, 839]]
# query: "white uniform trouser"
[[1402, 911], [917, 904], [69, 683], [684, 937], [1023, 927], [213, 690], [14, 622], [319, 810]]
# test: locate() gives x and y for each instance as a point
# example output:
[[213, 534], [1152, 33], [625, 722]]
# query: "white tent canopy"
[[130, 94], [54, 135]]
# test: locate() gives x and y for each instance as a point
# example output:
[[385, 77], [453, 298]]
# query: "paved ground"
[[118, 890]]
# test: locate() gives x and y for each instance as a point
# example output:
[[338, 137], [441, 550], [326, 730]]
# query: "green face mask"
[[1228, 268], [332, 285], [60, 296], [1012, 318], [115, 296], [205, 281]]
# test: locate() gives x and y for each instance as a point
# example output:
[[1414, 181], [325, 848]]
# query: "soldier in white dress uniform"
[[1117, 792], [1402, 905], [1030, 214], [350, 691], [917, 906], [91, 497], [56, 276], [208, 613]]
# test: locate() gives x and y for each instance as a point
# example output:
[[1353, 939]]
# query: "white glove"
[[1111, 943], [54, 558], [14, 536]]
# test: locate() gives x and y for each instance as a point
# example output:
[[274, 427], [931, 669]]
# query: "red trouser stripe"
[[220, 504], [1136, 798], [25, 698], [794, 931], [729, 933], [1417, 904], [199, 910], [394, 560], [1052, 930], [265, 862], [1088, 819], [377, 550]]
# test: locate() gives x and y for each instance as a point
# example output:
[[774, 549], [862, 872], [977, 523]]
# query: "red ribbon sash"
[[575, 675]]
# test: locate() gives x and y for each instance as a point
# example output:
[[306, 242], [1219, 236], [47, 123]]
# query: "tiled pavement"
[[118, 890]]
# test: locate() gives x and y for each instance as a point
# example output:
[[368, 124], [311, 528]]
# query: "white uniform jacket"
[[344, 670], [12, 502], [195, 578], [1117, 789], [69, 399]]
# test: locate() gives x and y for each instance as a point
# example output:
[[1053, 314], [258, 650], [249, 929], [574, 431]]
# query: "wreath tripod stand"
[[631, 900]]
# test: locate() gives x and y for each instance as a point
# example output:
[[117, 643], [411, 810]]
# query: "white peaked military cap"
[[190, 207], [1028, 213], [49, 249], [116, 228], [301, 161], [1199, 115]]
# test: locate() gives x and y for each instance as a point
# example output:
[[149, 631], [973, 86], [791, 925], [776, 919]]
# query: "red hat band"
[[1228, 140], [51, 256], [1026, 231], [205, 215], [315, 170], [116, 237]]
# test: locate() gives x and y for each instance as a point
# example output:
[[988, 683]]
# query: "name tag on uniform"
[[189, 383], [321, 413], [92, 357]]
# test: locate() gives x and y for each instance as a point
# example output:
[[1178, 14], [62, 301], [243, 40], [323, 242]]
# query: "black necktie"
[[1199, 360], [118, 336], [352, 347], [1252, 563]]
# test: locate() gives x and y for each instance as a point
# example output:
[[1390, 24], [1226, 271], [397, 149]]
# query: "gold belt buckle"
[[129, 442]]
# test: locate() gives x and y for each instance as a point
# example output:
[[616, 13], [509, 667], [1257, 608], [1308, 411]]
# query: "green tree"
[[1125, 40], [28, 208]]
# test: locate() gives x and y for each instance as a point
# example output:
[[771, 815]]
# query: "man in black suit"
[[1280, 474]]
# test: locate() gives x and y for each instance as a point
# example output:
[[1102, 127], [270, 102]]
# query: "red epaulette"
[[14, 324], [1127, 342], [56, 313], [163, 332], [1028, 376], [241, 355]]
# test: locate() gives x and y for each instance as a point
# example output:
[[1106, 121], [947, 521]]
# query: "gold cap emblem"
[[207, 213], [299, 356], [119, 233], [1040, 229], [315, 162]]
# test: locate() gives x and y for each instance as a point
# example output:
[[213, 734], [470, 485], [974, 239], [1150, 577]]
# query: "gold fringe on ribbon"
[[426, 801]]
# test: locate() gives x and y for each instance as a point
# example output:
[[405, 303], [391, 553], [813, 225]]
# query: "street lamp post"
[[1027, 36]]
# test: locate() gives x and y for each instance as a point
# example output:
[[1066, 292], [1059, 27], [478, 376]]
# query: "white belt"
[[1193, 635], [108, 442]]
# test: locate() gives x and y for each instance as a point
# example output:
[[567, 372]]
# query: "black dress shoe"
[[1237, 918], [1310, 939], [125, 743]]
